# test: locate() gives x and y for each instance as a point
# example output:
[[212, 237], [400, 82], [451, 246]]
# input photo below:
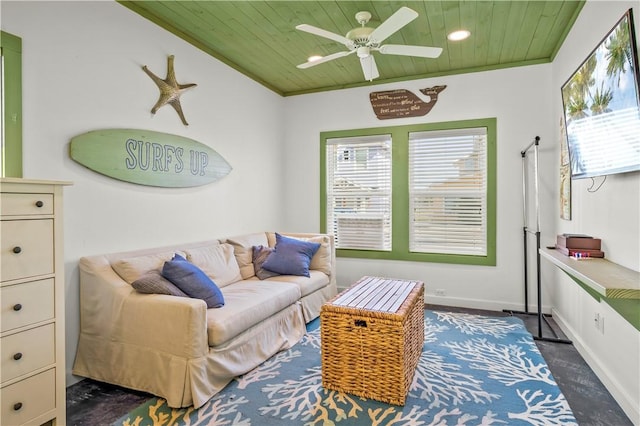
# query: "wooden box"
[[372, 336], [578, 242]]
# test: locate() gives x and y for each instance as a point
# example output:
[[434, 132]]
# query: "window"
[[447, 191], [359, 192], [419, 192], [11, 105]]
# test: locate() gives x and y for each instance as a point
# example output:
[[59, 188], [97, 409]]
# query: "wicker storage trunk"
[[372, 336]]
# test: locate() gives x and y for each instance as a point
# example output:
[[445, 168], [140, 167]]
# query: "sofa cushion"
[[260, 254], [193, 281], [132, 268], [217, 261], [248, 303], [322, 259], [243, 250], [153, 282], [291, 256], [307, 285]]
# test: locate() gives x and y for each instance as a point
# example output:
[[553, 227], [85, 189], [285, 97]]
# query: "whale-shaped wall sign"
[[148, 158], [403, 103]]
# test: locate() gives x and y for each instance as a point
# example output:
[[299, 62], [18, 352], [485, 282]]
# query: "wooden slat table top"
[[376, 294]]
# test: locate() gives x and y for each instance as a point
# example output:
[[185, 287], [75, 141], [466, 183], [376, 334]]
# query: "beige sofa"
[[176, 348]]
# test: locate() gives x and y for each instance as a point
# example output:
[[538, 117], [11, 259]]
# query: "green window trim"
[[400, 190], [11, 47]]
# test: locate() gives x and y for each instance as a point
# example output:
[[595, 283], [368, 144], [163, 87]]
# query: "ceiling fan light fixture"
[[363, 52], [458, 35]]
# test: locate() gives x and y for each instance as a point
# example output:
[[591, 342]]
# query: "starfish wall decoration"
[[170, 90]]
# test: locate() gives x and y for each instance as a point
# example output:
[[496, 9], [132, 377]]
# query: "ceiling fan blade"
[[401, 49], [369, 67], [324, 33], [325, 59], [402, 17]]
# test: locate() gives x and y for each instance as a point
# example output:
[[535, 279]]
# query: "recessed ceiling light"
[[314, 58], [458, 35]]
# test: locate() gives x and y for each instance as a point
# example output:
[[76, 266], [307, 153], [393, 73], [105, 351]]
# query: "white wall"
[[82, 71], [612, 214], [519, 98]]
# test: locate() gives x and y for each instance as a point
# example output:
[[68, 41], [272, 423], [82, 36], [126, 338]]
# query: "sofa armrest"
[[111, 310]]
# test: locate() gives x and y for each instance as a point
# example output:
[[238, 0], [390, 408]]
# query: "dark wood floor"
[[93, 403]]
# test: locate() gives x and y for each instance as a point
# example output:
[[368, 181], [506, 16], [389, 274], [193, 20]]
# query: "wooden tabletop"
[[605, 277]]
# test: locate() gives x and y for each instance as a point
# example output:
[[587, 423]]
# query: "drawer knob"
[[17, 356], [39, 203], [17, 307], [17, 406], [17, 249]]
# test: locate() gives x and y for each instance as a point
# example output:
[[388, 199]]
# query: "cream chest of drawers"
[[32, 365]]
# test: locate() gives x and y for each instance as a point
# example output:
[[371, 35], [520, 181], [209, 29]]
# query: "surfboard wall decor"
[[148, 158]]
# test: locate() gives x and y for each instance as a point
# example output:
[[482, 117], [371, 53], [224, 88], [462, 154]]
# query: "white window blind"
[[448, 191], [359, 192]]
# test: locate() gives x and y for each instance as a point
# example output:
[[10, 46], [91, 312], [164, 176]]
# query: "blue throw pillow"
[[193, 281], [291, 256]]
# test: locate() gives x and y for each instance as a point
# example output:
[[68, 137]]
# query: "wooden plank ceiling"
[[259, 39]]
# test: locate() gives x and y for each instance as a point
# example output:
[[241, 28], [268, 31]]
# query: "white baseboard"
[[489, 305], [629, 406]]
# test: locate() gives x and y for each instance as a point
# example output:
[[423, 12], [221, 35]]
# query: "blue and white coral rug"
[[474, 370]]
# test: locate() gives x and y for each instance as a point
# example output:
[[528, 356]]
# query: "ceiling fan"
[[365, 40]]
